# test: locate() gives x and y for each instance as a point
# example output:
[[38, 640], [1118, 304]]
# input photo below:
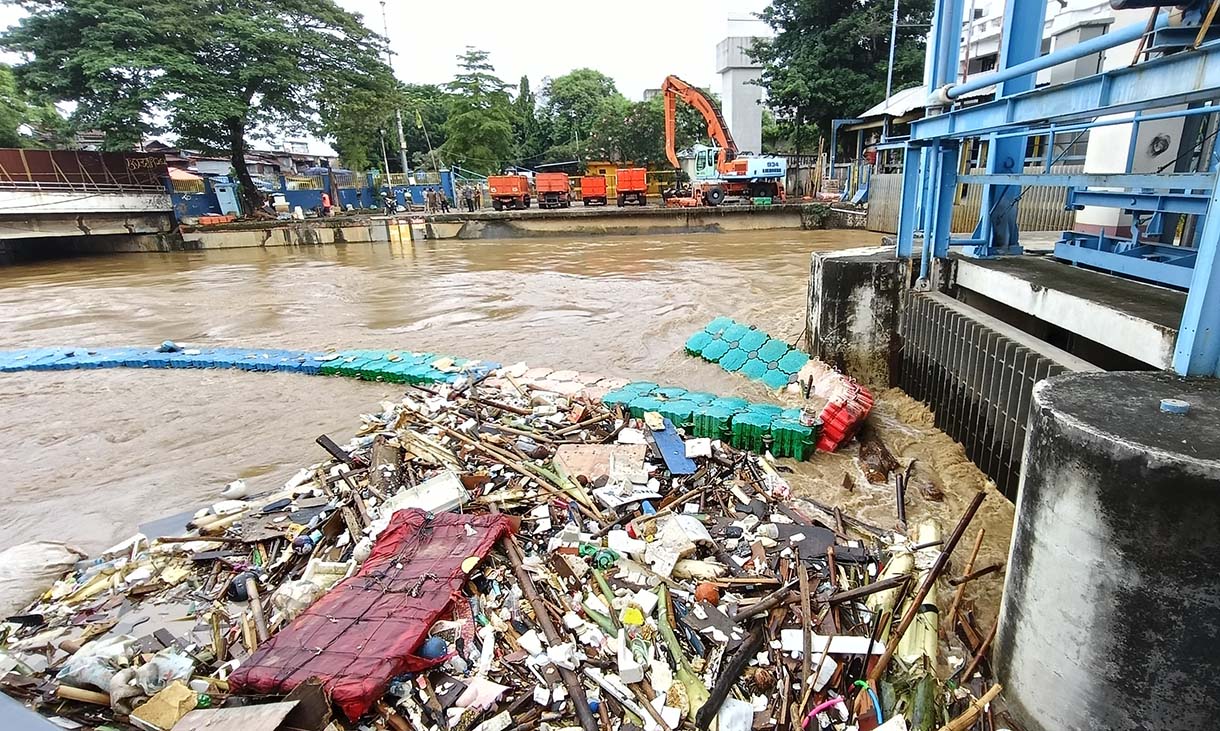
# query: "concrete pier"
[[1111, 612], [855, 305]]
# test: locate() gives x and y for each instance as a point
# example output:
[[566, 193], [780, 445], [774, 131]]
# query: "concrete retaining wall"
[[635, 221], [283, 233]]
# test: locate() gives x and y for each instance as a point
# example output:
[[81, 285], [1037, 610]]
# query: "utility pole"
[[402, 138], [385, 158], [889, 73]]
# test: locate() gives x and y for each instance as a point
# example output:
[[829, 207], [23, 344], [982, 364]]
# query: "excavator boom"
[[675, 88]]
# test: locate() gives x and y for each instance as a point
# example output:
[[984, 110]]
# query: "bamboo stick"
[[961, 590], [937, 568], [978, 656], [576, 691], [972, 575], [971, 714]]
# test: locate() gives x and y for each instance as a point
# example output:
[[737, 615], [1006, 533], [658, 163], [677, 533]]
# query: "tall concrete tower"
[[739, 98]]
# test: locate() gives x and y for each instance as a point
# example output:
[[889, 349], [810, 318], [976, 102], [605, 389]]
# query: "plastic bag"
[[294, 597], [27, 570], [164, 668], [95, 664]]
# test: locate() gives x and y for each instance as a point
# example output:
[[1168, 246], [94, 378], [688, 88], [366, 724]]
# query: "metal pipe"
[[1118, 37]]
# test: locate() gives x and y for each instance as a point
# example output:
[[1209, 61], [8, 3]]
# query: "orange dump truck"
[[509, 191], [593, 190], [554, 190], [632, 187]]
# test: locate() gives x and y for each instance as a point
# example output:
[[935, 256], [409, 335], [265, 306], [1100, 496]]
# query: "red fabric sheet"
[[362, 633]]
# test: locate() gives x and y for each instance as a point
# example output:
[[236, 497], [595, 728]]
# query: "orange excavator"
[[720, 170]]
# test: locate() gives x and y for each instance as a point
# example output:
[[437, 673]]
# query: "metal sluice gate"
[[976, 380]]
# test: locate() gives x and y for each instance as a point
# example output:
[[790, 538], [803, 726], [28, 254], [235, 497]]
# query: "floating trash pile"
[[511, 550]]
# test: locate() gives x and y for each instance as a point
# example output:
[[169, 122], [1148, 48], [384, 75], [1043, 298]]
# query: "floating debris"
[[516, 548]]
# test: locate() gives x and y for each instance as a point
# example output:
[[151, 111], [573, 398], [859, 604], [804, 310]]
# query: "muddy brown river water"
[[87, 456]]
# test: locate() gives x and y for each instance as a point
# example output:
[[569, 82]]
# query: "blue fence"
[[207, 202]]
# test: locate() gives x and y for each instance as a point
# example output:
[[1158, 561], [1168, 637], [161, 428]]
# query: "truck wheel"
[[566, 204], [643, 200], [714, 196], [498, 205], [527, 201], [586, 202], [622, 200]]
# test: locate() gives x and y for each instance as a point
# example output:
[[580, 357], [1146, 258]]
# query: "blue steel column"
[[942, 224], [944, 50], [1021, 42], [1197, 352], [908, 213]]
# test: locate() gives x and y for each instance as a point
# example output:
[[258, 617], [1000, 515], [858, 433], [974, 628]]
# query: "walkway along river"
[[91, 455]]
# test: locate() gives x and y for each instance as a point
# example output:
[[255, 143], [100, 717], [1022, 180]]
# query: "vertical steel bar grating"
[[977, 382]]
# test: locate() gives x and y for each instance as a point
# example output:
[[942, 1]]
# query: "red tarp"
[[362, 633]]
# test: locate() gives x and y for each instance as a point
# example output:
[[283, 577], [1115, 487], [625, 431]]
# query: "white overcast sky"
[[637, 42]]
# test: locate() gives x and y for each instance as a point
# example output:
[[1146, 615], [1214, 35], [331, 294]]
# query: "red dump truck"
[[593, 190], [632, 187], [553, 189], [509, 191]]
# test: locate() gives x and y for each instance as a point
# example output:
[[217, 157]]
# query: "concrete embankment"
[[636, 221], [513, 224]]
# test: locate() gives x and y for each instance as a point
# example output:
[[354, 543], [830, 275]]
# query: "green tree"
[[642, 133], [828, 58], [355, 112], [480, 125], [578, 105], [218, 72], [18, 111], [529, 132], [425, 111]]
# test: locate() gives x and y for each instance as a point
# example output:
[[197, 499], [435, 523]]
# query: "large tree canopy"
[[579, 104], [828, 58], [215, 71], [480, 124]]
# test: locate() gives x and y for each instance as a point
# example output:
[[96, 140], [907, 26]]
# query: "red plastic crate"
[[842, 419]]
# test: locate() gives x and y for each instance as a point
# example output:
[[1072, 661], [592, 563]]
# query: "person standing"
[[478, 196], [443, 200], [468, 198], [326, 205], [430, 201]]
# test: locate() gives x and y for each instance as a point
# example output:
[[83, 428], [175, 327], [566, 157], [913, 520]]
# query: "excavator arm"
[[675, 88]]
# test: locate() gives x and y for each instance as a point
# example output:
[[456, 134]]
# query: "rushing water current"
[[87, 456]]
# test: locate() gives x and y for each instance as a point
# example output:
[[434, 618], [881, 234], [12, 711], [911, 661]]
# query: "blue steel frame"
[[930, 172]]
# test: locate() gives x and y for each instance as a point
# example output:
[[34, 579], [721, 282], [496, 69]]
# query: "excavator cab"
[[705, 163]]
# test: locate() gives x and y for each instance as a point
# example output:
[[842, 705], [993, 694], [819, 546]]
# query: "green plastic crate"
[[712, 421], [678, 411], [749, 428], [791, 438]]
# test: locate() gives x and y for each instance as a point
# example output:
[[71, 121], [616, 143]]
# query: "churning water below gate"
[[89, 455]]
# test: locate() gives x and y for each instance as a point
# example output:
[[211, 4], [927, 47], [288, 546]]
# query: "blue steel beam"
[[1178, 78], [1149, 181], [1183, 203], [1176, 274]]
